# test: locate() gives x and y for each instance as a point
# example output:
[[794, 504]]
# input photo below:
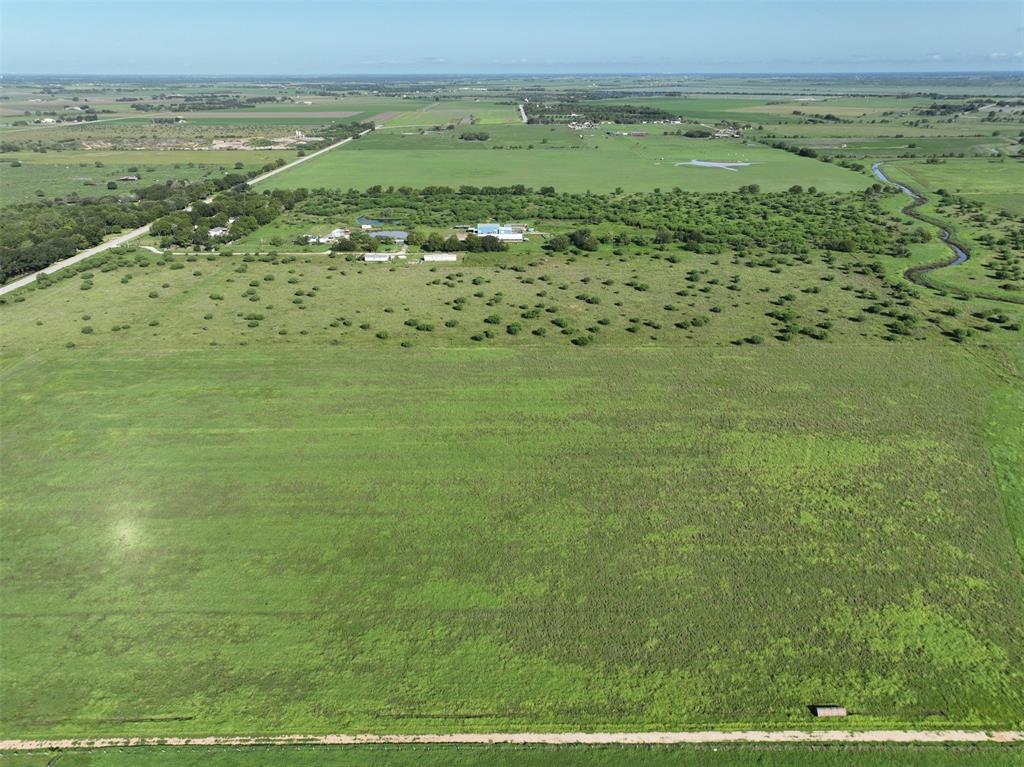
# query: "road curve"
[[546, 738], [122, 239]]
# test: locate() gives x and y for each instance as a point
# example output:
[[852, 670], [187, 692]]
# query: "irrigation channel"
[[919, 274]]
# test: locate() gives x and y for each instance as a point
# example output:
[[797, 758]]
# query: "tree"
[[558, 244]]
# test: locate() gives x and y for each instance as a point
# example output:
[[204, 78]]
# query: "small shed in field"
[[440, 257], [822, 711], [376, 257]]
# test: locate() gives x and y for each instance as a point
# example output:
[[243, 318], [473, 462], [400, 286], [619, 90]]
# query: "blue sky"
[[497, 36]]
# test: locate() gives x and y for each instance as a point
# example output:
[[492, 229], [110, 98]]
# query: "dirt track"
[[548, 738]]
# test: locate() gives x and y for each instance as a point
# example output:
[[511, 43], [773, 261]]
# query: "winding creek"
[[918, 274]]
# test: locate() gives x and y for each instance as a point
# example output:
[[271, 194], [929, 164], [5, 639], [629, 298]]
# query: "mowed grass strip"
[[537, 756], [266, 540]]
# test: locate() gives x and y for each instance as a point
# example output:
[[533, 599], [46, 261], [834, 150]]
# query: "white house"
[[219, 231], [440, 257], [332, 236], [376, 257]]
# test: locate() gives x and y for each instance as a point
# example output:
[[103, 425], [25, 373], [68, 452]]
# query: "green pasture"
[[231, 507], [568, 162], [965, 176], [536, 756], [308, 539], [62, 173], [993, 189]]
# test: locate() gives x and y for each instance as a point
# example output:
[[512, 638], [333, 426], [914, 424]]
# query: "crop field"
[[541, 155], [86, 173]]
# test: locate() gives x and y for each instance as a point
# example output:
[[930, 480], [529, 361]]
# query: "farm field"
[[290, 502], [86, 173], [562, 159], [711, 446], [537, 756], [411, 521]]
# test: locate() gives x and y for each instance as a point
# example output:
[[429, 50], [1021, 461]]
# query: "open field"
[[321, 530], [543, 155], [86, 173], [402, 536], [710, 460]]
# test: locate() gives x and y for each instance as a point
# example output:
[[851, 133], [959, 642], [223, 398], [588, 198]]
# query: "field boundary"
[[543, 738]]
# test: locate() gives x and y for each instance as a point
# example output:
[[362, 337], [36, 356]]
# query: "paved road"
[[549, 738], [121, 239]]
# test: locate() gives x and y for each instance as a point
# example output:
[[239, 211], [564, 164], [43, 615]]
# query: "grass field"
[[240, 530], [502, 756], [539, 155], [605, 490], [86, 173]]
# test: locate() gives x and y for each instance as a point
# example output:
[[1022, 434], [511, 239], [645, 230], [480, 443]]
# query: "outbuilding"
[[440, 257], [503, 232], [376, 257], [824, 711]]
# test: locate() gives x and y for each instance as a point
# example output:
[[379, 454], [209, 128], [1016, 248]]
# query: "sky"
[[338, 37]]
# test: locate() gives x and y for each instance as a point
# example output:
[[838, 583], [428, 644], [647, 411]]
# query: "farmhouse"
[[376, 257], [440, 257], [324, 239], [727, 133], [503, 232]]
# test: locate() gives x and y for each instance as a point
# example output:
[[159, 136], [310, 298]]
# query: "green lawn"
[[538, 155]]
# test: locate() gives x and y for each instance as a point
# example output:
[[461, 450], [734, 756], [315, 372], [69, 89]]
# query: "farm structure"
[[504, 232], [440, 257], [376, 257], [325, 239]]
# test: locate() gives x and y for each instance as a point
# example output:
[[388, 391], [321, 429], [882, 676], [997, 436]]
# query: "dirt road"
[[122, 239], [549, 738]]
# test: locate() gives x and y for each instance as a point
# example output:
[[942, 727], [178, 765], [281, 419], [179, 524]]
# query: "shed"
[[828, 711], [440, 257], [376, 257]]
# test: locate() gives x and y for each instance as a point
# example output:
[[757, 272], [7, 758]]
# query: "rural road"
[[522, 113], [548, 738], [121, 239]]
